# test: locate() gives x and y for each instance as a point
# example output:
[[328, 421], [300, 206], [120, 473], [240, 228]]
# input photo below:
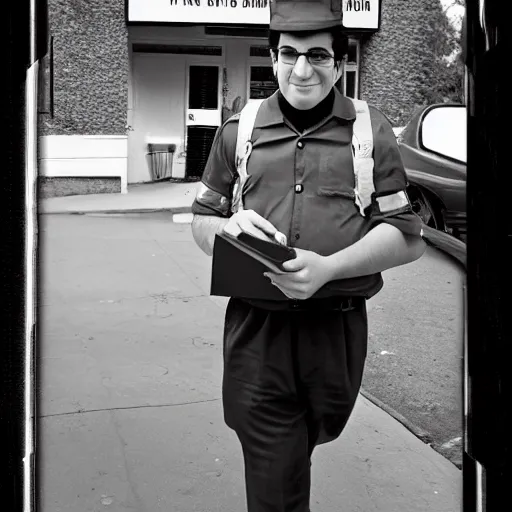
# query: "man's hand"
[[305, 275], [248, 221]]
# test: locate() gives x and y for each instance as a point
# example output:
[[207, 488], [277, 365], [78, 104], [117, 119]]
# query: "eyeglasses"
[[315, 56]]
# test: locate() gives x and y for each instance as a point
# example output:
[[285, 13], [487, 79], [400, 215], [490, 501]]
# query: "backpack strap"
[[243, 150], [362, 147]]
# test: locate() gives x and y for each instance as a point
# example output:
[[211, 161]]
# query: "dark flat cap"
[[302, 15]]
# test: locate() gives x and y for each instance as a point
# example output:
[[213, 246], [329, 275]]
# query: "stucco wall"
[[90, 68], [397, 61]]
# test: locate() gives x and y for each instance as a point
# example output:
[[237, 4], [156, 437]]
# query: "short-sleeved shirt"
[[303, 183]]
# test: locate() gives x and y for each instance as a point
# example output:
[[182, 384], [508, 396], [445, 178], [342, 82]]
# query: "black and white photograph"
[[246, 256]]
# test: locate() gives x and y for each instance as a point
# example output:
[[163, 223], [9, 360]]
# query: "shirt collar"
[[270, 114]]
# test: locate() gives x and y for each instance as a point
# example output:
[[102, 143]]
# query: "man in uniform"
[[293, 368]]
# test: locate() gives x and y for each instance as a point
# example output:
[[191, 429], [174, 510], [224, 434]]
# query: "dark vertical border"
[[487, 452], [45, 92], [16, 44], [23, 33], [51, 84]]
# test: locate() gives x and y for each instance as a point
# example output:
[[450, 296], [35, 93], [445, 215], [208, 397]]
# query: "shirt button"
[[300, 144], [297, 236], [299, 188]]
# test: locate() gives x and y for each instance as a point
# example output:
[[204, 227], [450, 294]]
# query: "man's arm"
[[204, 229], [211, 207], [384, 247], [394, 232]]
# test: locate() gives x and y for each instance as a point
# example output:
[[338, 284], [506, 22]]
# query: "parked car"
[[433, 149]]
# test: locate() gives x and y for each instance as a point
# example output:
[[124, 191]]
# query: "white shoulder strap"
[[243, 149], [362, 144], [245, 126]]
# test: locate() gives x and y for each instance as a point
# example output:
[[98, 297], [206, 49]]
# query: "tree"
[[447, 75]]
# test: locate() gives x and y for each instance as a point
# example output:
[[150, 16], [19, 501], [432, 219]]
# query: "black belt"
[[335, 303], [327, 304]]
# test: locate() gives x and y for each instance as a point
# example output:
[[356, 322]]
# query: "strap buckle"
[[347, 304]]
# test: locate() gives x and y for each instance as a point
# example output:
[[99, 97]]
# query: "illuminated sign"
[[357, 14]]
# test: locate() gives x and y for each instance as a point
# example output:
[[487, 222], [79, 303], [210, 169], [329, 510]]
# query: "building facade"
[[139, 87]]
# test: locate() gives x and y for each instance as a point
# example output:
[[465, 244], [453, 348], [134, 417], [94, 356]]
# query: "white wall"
[[103, 156]]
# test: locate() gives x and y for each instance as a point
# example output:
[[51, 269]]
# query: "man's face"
[[304, 85]]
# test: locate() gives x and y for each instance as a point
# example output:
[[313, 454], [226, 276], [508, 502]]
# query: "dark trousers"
[[291, 379]]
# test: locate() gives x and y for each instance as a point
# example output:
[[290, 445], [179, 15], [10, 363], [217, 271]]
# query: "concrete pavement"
[[130, 372], [174, 200]]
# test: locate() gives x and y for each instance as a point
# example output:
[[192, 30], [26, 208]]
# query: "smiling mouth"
[[304, 86]]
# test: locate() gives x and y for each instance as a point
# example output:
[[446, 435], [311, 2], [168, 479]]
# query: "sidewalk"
[[145, 197], [130, 414]]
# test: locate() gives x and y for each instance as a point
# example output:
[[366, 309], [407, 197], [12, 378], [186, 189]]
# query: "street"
[[128, 334]]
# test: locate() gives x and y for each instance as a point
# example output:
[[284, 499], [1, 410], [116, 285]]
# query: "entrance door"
[[158, 89], [203, 115]]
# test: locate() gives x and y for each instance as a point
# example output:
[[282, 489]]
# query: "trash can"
[[159, 157]]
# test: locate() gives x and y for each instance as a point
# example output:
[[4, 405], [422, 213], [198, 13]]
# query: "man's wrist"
[[332, 267], [204, 229]]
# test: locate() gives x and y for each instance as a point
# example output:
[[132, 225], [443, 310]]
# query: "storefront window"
[[263, 83], [204, 87]]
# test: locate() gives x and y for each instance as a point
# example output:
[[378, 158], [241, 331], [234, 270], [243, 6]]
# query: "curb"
[[171, 210], [421, 434]]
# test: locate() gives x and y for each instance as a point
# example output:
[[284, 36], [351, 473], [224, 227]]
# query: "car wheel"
[[424, 207]]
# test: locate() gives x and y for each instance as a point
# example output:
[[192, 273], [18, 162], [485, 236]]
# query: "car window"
[[443, 131]]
